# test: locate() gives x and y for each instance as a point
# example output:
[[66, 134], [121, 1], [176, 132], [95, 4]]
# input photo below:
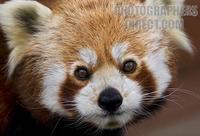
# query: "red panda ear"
[[20, 19], [176, 35]]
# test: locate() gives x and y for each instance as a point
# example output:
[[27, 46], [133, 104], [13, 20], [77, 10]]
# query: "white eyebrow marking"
[[119, 50], [88, 56]]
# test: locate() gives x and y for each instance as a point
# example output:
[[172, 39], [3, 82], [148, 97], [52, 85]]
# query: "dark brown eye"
[[82, 73], [129, 66]]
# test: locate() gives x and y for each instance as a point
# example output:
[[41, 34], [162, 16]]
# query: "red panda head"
[[79, 60]]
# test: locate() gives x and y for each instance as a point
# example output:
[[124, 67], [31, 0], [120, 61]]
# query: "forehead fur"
[[101, 32]]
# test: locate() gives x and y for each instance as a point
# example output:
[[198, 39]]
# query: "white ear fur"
[[176, 35], [20, 19], [180, 38]]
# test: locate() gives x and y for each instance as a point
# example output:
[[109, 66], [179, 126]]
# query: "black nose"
[[110, 100]]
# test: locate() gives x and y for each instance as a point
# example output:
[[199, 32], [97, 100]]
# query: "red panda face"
[[104, 81], [89, 65]]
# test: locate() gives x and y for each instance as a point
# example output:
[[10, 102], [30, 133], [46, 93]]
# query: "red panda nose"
[[110, 100]]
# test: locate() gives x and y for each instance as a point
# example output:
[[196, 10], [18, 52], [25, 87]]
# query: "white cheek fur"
[[85, 101], [156, 63], [53, 79], [132, 94]]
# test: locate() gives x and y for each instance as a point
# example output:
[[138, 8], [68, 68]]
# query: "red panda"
[[76, 68]]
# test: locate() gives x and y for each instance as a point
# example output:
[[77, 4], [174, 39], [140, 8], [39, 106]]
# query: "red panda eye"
[[82, 73], [129, 66]]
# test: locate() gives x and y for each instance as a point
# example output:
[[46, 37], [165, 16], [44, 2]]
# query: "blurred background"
[[181, 115]]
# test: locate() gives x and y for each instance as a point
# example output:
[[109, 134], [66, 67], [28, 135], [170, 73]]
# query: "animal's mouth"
[[113, 124], [114, 114], [111, 120], [115, 121]]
